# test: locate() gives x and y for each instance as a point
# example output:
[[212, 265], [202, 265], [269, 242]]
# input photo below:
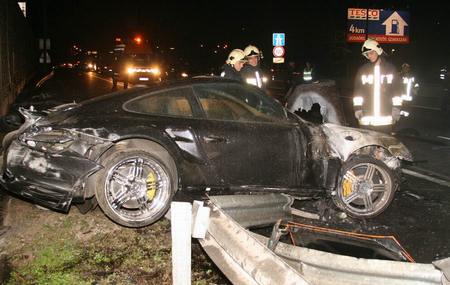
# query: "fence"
[[17, 53]]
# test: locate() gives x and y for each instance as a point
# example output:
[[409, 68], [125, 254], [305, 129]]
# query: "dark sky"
[[314, 29]]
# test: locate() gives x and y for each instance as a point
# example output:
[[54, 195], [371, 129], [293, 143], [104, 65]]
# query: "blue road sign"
[[278, 39]]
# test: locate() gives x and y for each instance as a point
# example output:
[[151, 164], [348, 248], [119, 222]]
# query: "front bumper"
[[51, 180], [143, 78]]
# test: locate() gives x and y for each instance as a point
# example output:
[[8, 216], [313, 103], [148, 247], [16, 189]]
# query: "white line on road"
[[445, 138], [101, 78], [109, 80], [426, 177]]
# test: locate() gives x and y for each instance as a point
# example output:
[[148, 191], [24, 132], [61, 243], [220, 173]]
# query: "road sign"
[[385, 26], [278, 60], [278, 39], [44, 44], [278, 51], [45, 57]]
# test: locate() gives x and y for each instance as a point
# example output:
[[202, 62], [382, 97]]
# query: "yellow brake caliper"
[[151, 185], [347, 187]]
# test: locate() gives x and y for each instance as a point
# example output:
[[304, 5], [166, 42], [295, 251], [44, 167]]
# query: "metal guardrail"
[[241, 257], [245, 259]]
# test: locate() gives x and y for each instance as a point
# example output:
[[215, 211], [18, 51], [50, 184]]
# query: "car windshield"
[[141, 58]]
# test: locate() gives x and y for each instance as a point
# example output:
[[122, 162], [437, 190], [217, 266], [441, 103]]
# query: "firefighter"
[[308, 73], [410, 86], [233, 65], [377, 93], [252, 72], [444, 77]]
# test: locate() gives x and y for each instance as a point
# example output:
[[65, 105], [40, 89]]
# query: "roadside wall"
[[17, 53]]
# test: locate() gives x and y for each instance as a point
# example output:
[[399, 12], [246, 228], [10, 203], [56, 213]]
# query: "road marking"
[[101, 78], [426, 177], [425, 107], [445, 138], [110, 80]]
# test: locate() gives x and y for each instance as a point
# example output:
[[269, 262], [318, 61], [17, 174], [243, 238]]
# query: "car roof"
[[140, 90]]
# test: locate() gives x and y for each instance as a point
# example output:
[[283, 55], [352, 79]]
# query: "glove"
[[395, 114]]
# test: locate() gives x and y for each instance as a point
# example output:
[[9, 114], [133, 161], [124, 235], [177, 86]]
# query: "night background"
[[315, 30]]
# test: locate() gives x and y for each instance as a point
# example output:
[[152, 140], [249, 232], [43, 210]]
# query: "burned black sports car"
[[132, 150]]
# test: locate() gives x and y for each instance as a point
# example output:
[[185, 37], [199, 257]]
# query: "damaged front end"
[[345, 142], [48, 166]]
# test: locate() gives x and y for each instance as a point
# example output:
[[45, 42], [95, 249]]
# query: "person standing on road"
[[444, 76], [252, 72], [233, 65], [377, 92], [308, 73]]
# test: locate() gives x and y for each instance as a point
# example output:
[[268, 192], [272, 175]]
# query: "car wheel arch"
[[126, 143], [378, 152]]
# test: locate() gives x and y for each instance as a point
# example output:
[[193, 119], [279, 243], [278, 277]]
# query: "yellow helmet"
[[251, 51], [235, 56]]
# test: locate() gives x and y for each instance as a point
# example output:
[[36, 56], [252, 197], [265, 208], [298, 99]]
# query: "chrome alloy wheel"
[[137, 188], [366, 189]]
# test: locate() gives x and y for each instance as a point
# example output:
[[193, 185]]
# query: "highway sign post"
[[278, 42]]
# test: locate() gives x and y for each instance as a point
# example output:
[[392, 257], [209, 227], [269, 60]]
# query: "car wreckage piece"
[[246, 257], [301, 97]]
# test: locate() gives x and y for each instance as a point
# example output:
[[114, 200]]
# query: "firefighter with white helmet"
[[410, 87], [377, 93], [233, 65], [252, 72]]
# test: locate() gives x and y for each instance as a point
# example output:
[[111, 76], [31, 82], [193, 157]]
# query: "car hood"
[[344, 141]]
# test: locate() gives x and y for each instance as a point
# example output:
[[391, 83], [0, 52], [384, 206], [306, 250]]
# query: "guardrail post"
[[181, 223]]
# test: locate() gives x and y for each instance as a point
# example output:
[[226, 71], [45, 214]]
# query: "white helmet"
[[369, 45], [251, 51], [235, 56]]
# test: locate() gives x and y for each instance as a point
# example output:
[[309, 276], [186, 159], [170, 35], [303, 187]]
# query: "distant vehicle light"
[[90, 65], [184, 75], [153, 70]]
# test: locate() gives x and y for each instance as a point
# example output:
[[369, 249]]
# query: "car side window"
[[233, 102], [172, 102]]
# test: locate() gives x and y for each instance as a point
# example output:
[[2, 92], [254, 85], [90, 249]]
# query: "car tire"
[[136, 186], [366, 187], [11, 122]]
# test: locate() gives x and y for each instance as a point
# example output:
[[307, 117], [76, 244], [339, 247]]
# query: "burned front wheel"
[[366, 187], [136, 187]]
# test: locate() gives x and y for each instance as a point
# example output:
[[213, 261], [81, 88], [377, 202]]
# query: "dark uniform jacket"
[[390, 87], [229, 72]]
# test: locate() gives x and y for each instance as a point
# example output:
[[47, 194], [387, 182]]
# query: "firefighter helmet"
[[251, 51], [369, 45], [235, 56]]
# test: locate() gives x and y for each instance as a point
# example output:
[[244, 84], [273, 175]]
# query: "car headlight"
[[155, 71], [52, 141]]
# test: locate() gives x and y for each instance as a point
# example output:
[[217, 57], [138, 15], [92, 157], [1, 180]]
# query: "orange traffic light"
[[138, 40]]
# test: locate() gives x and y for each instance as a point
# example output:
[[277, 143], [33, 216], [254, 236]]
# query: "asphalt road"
[[420, 213]]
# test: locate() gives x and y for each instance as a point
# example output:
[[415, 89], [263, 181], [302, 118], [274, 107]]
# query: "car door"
[[246, 137], [175, 112]]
